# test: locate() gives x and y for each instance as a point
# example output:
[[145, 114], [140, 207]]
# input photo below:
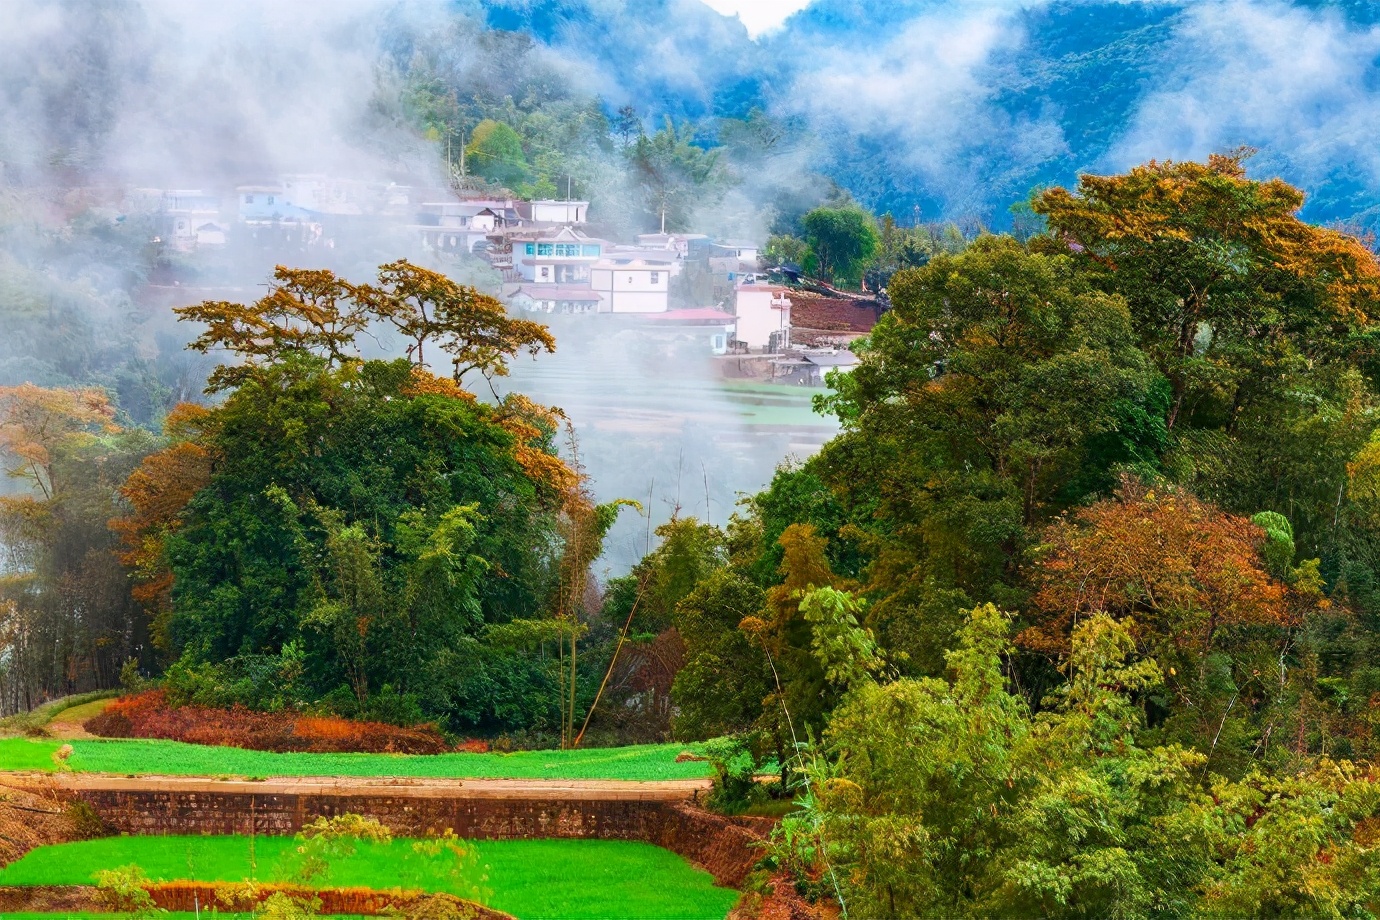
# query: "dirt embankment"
[[39, 813]]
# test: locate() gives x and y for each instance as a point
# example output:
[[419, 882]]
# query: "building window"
[[270, 199], [543, 249], [656, 277], [590, 250], [545, 272], [531, 249], [248, 199]]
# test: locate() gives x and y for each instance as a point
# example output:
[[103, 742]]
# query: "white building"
[[454, 226], [738, 249], [704, 326], [678, 243], [631, 285], [555, 298], [565, 257], [557, 212], [764, 316]]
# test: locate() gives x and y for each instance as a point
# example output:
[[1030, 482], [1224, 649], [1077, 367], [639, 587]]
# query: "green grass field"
[[644, 762], [530, 879]]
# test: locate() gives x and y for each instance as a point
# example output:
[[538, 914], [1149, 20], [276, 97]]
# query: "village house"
[[455, 226], [187, 219], [700, 326], [555, 298], [632, 285], [563, 257], [546, 211], [764, 316]]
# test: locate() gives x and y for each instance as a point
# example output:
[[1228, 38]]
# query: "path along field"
[[530, 879], [172, 758]]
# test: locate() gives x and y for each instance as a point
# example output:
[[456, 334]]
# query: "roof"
[[704, 315], [834, 359], [768, 288], [630, 264], [558, 292]]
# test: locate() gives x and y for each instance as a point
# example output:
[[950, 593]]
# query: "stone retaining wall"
[[721, 846]]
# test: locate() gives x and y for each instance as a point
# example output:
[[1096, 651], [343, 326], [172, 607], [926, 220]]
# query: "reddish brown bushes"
[[148, 715]]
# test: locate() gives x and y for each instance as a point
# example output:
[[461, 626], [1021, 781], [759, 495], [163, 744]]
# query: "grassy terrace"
[[644, 762], [527, 878]]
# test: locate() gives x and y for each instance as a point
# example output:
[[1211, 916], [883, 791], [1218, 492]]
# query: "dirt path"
[[549, 789], [68, 725]]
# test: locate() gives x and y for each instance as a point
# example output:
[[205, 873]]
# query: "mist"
[[931, 110]]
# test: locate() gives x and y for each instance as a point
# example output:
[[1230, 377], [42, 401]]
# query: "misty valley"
[[724, 459]]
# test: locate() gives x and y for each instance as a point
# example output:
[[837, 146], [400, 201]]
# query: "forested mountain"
[[961, 108]]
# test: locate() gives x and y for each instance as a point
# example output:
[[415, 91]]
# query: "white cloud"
[[1296, 83], [758, 16]]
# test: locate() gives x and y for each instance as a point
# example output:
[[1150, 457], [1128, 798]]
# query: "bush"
[[125, 890], [153, 715], [735, 775]]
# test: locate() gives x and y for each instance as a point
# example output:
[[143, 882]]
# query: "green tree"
[[495, 152], [842, 240]]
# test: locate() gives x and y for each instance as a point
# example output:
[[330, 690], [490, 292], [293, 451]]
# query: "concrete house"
[[632, 285], [764, 316], [455, 226], [547, 211], [563, 257], [555, 298]]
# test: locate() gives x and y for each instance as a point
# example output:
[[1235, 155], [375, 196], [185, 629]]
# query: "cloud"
[[1298, 83], [926, 98], [185, 93]]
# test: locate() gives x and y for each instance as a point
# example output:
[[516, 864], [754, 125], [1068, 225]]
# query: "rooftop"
[[557, 292]]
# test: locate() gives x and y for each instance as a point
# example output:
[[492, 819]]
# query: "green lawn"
[[644, 762], [527, 878]]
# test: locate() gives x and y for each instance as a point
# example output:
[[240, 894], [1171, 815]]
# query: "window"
[[543, 249], [248, 199], [270, 199], [545, 272], [590, 250], [531, 249], [656, 277]]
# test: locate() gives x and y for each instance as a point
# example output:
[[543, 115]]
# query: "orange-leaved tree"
[[306, 311], [36, 421], [1207, 257], [1197, 583], [473, 328], [314, 312], [156, 495]]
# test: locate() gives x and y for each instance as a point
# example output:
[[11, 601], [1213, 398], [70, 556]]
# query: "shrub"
[[125, 890], [152, 715]]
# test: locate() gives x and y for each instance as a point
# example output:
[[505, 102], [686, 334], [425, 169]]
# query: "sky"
[[759, 15]]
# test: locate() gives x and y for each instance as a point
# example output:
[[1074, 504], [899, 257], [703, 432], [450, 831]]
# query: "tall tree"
[[842, 240]]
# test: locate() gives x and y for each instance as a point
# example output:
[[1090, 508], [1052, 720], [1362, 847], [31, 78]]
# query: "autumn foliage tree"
[[1213, 601], [1211, 260], [67, 622], [314, 312]]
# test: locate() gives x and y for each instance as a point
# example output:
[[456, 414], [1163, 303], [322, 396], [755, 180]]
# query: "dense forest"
[[1076, 616]]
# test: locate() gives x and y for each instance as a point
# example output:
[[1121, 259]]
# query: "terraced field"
[[173, 758], [530, 879]]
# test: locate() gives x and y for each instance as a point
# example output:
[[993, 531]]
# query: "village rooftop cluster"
[[685, 287]]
